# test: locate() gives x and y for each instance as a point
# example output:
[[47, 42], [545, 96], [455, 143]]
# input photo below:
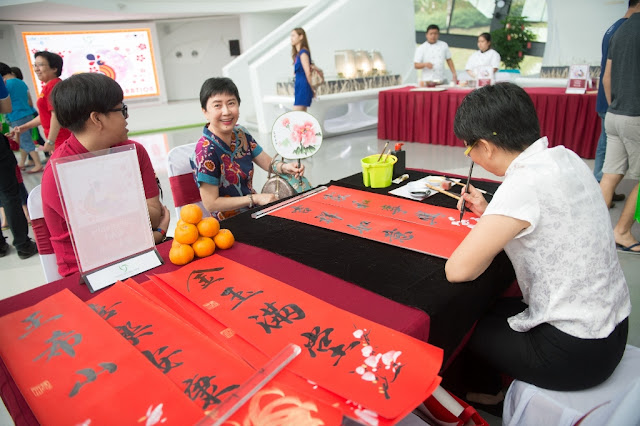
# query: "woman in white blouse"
[[486, 56], [568, 331]]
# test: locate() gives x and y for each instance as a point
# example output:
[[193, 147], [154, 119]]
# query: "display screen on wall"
[[124, 55]]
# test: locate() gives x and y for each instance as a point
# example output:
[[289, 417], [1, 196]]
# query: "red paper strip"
[[231, 341], [362, 361], [285, 381], [206, 373], [402, 223], [73, 368], [214, 329]]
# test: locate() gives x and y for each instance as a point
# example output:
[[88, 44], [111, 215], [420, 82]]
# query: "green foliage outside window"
[[512, 41], [464, 15]]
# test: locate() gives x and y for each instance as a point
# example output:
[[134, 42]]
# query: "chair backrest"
[[43, 238], [183, 187]]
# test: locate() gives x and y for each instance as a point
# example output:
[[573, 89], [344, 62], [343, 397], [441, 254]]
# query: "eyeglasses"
[[469, 147], [124, 110]]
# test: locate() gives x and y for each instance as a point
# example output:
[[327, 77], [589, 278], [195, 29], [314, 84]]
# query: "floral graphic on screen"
[[97, 65], [381, 369]]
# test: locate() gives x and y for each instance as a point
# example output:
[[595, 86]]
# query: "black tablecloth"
[[402, 275]]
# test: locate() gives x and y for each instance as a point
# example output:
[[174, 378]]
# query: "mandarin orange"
[[208, 227], [191, 213], [186, 233], [181, 254], [224, 239], [203, 247]]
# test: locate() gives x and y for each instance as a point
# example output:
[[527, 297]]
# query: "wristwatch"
[[50, 143]]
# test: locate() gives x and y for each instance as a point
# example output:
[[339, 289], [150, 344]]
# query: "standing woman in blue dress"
[[302, 68]]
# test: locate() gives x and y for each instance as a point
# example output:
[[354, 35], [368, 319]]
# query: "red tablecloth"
[[340, 293], [427, 117]]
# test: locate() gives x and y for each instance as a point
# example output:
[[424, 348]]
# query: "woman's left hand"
[[293, 169]]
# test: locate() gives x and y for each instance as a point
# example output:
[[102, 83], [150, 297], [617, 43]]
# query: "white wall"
[[330, 25], [256, 26], [576, 27], [193, 50]]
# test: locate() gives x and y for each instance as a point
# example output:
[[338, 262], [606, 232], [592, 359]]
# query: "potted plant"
[[512, 41]]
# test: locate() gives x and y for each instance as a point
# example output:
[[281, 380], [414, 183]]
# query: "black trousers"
[[544, 356], [10, 198]]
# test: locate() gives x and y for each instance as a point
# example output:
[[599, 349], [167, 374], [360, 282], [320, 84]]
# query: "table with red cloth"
[[427, 116], [398, 288], [340, 293]]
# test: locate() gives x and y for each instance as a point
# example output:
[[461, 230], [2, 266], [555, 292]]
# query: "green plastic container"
[[378, 174]]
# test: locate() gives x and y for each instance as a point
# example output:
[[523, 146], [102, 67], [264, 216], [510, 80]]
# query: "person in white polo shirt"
[[486, 56], [431, 55]]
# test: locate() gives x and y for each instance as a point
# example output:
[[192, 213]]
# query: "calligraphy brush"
[[383, 150], [466, 190]]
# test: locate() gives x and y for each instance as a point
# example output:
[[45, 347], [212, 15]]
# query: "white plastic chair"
[[183, 187], [41, 232], [614, 402]]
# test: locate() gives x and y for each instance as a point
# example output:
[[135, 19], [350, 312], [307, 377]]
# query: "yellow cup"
[[378, 174]]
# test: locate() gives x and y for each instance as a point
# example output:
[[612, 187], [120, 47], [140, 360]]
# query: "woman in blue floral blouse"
[[223, 159]]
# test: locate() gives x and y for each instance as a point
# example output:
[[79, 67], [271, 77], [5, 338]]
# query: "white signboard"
[[578, 79], [484, 76], [106, 210]]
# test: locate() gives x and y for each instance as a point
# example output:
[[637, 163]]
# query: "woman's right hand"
[[263, 199], [474, 201]]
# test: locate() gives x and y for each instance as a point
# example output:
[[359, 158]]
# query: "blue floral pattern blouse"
[[228, 167]]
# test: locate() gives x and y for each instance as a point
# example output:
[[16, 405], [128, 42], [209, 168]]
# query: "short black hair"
[[17, 72], [486, 36], [54, 60], [75, 98], [432, 27], [633, 3], [502, 114], [216, 85], [4, 69]]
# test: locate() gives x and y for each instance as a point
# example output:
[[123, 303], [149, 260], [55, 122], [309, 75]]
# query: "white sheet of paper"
[[404, 191], [122, 270], [105, 206]]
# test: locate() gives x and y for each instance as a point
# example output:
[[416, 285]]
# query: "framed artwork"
[[126, 55]]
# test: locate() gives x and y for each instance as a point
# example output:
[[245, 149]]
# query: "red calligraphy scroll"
[[204, 371], [399, 222], [74, 368], [292, 385], [380, 369]]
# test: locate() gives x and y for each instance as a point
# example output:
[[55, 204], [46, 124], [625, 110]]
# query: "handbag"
[[317, 76], [283, 185]]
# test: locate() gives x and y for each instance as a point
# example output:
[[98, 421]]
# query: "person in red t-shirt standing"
[[48, 68]]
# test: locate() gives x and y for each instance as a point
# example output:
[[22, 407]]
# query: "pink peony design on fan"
[[305, 136]]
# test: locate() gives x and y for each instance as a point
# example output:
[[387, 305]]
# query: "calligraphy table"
[[401, 275], [427, 116]]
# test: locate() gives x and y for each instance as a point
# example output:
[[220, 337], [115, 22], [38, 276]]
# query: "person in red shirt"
[[48, 68], [90, 106]]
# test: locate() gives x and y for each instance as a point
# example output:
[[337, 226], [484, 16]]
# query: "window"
[[462, 21]]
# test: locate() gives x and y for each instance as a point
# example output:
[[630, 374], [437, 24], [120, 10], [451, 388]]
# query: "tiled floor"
[[338, 157]]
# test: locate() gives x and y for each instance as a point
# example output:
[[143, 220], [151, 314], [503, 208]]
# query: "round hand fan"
[[296, 135]]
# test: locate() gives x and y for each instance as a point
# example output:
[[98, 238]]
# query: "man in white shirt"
[[431, 56]]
